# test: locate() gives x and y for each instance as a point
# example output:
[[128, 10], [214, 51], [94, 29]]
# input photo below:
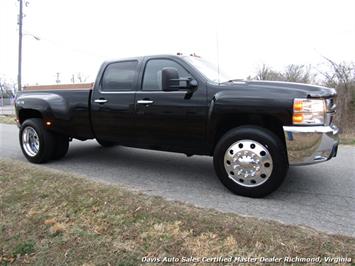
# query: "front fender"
[[240, 107]]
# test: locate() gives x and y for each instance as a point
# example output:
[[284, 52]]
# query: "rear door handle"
[[100, 101], [145, 101]]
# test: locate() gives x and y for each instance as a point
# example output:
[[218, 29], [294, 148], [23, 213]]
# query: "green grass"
[[24, 248], [51, 218], [347, 138], [7, 119]]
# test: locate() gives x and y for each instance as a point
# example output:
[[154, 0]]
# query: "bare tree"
[[267, 73], [81, 77], [298, 73], [342, 77], [292, 73], [6, 89]]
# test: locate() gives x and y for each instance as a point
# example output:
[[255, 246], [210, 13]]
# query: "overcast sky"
[[76, 36]]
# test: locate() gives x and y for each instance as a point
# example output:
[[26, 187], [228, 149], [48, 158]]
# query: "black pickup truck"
[[253, 129]]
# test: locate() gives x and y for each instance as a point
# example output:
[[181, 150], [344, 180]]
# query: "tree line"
[[340, 76]]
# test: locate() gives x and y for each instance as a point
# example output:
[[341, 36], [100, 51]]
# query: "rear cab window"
[[119, 76]]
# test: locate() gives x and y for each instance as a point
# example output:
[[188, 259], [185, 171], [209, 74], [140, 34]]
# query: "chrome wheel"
[[30, 141], [248, 163]]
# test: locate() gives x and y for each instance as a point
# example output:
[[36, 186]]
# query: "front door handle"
[[100, 101], [145, 102]]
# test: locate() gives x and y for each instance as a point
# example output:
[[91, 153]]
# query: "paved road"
[[319, 196]]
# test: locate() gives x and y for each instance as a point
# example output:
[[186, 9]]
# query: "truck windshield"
[[208, 69]]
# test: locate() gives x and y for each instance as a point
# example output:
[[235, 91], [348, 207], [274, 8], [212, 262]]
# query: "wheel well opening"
[[269, 122], [25, 114]]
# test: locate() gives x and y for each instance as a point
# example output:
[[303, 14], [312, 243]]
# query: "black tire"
[[271, 143], [61, 147], [106, 144], [45, 139]]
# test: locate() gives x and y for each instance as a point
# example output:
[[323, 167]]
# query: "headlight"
[[308, 111]]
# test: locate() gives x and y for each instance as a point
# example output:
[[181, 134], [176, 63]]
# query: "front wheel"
[[250, 161]]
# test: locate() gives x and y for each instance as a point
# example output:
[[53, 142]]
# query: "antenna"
[[217, 44]]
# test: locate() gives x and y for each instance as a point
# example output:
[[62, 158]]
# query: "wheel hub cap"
[[248, 163], [30, 141]]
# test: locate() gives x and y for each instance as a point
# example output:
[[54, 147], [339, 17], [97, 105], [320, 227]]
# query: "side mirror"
[[170, 80]]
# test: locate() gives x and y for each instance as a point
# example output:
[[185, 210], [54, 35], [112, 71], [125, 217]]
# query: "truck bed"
[[68, 107]]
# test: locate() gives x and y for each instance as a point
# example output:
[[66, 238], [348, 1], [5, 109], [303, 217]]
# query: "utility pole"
[[58, 79], [19, 74]]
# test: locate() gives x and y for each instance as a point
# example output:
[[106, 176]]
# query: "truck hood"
[[311, 91]]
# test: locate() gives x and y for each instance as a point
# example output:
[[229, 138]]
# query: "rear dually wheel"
[[37, 143]]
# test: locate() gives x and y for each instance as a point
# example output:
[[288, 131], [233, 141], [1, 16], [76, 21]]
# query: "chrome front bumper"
[[311, 144]]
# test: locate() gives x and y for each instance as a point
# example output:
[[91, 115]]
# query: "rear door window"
[[119, 76]]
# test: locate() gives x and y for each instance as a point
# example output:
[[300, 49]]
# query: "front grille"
[[331, 106], [331, 109]]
